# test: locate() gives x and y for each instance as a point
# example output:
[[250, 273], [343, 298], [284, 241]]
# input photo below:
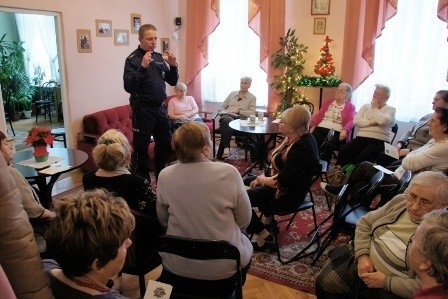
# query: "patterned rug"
[[299, 274]]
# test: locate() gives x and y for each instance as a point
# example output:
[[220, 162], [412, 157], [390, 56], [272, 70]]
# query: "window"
[[233, 53], [411, 58]]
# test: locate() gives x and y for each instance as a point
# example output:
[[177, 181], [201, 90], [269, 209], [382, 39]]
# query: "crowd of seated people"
[[337, 115], [182, 108]]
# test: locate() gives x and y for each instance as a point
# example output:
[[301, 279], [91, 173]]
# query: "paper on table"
[[391, 150], [246, 123], [55, 169], [385, 170], [159, 290], [32, 163]]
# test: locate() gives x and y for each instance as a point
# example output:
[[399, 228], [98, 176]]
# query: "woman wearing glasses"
[[377, 259], [334, 115]]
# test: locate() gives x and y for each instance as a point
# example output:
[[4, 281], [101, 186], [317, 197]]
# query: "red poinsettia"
[[39, 136], [324, 66]]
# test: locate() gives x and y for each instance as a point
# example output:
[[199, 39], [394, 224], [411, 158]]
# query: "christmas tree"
[[324, 65], [289, 58]]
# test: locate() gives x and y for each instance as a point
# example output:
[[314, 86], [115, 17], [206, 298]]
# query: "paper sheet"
[[58, 167], [385, 170], [39, 165], [158, 290], [391, 150], [246, 123]]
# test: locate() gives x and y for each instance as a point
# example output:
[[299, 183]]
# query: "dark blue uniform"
[[149, 115]]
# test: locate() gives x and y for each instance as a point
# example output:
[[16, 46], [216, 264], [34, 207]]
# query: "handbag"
[[336, 176]]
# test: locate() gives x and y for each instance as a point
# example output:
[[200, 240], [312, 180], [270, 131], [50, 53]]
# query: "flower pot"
[[27, 113], [40, 152]]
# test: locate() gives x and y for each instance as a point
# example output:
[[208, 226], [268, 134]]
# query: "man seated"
[[240, 103], [428, 255], [377, 259]]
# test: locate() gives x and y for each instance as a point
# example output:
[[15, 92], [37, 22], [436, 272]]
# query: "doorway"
[[40, 73]]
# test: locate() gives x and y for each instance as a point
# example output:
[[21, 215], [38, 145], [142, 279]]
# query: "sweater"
[[432, 156], [204, 200], [383, 117], [389, 213]]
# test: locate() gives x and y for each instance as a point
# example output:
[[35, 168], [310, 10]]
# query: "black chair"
[[394, 131], [350, 207], [200, 249], [143, 257], [391, 191], [326, 147], [46, 102]]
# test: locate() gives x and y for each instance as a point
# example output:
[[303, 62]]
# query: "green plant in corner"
[[290, 59], [15, 83]]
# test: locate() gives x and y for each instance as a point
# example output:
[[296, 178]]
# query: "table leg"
[[262, 159], [45, 189]]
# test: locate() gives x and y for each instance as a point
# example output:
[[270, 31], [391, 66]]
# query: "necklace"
[[92, 286]]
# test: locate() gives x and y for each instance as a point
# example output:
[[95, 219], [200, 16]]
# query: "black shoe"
[[333, 190], [269, 242]]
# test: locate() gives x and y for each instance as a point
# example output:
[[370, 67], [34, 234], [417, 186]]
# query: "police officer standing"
[[145, 73]]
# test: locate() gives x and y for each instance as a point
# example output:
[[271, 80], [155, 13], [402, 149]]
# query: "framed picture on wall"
[[84, 40], [165, 45], [320, 7], [121, 37], [320, 25], [103, 28], [136, 21]]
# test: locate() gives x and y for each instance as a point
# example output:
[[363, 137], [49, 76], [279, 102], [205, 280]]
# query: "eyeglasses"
[[424, 203]]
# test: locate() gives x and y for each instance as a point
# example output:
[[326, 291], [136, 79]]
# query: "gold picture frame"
[[320, 25], [164, 45], [121, 37], [103, 28], [84, 40], [320, 7], [136, 22]]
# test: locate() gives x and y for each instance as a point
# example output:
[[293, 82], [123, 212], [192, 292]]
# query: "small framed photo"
[[84, 40], [103, 28], [165, 44], [121, 37], [320, 25], [320, 7], [136, 21]]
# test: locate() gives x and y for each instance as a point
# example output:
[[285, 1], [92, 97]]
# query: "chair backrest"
[[353, 205], [397, 189], [326, 145], [200, 249], [394, 131]]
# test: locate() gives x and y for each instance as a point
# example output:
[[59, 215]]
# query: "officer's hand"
[[147, 58], [170, 58]]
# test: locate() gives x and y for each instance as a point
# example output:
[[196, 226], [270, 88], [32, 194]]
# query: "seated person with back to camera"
[[293, 164], [376, 261], [240, 103], [182, 108]]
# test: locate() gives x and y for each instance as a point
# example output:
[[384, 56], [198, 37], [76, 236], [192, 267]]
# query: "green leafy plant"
[[290, 59], [15, 83]]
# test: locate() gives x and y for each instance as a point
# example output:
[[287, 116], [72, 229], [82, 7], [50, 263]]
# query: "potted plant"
[[15, 83], [25, 103]]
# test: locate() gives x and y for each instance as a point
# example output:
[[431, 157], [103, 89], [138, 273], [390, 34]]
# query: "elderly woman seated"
[[294, 163], [88, 240], [432, 156], [377, 259], [334, 115], [28, 195], [182, 108], [201, 199], [112, 155], [428, 255]]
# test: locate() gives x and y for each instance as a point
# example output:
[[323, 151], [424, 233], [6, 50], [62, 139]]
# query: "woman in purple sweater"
[[334, 115]]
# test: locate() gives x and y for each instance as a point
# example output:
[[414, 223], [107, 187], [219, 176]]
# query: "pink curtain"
[[267, 20], [364, 21], [203, 17], [442, 13]]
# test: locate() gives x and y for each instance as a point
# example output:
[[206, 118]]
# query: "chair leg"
[[141, 282]]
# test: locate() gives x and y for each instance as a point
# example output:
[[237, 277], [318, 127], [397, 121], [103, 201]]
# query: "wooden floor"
[[254, 288]]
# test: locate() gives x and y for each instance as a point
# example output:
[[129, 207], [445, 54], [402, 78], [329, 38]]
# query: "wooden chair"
[[46, 102], [142, 257], [200, 249]]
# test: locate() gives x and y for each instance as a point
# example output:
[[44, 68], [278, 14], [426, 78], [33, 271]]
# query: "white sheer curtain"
[[38, 33], [233, 53], [411, 57]]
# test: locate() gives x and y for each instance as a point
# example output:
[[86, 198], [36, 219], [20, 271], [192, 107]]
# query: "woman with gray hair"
[[112, 155], [427, 254], [287, 181], [182, 108], [377, 259], [337, 115]]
